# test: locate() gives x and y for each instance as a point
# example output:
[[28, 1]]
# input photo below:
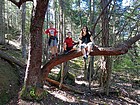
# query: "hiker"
[[53, 40], [86, 42], [69, 43]]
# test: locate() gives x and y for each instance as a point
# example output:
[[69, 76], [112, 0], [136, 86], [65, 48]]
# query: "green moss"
[[33, 93], [8, 82], [4, 97], [70, 79]]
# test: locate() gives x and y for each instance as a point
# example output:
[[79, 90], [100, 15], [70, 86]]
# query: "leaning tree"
[[35, 75]]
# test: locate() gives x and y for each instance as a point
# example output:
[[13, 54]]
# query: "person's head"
[[51, 24], [84, 29], [69, 34]]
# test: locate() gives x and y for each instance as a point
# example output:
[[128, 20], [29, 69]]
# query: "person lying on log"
[[86, 42], [69, 44]]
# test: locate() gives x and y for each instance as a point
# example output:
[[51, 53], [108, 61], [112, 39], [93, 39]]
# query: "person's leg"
[[83, 49], [89, 48], [52, 49], [55, 50], [55, 47], [73, 48]]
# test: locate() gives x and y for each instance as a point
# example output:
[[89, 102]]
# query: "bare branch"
[[100, 15]]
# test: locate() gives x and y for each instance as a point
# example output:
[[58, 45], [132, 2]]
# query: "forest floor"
[[124, 90]]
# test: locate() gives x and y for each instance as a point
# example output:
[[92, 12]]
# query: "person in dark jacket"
[[86, 42]]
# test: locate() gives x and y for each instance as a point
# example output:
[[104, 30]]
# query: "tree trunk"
[[105, 68], [33, 77], [33, 70], [80, 17], [2, 23], [61, 27], [23, 39]]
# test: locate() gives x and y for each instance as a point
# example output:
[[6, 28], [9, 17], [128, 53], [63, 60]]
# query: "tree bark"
[[2, 22], [23, 39], [33, 77], [33, 70], [105, 60]]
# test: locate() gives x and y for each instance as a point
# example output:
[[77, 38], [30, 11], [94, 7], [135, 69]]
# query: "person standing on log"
[[86, 42], [53, 39]]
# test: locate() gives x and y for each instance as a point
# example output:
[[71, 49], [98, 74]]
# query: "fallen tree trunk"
[[65, 57], [119, 49], [63, 86], [12, 59]]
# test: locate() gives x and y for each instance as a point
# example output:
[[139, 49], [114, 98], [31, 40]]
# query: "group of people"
[[85, 41]]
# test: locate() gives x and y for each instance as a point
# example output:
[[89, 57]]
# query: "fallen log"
[[56, 83], [65, 57], [11, 59], [118, 49], [129, 101]]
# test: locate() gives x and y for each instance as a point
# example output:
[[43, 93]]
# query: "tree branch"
[[100, 15], [110, 51], [18, 4]]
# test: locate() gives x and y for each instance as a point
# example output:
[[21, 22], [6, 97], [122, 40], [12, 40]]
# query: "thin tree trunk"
[[80, 17], [23, 40], [2, 22], [61, 24]]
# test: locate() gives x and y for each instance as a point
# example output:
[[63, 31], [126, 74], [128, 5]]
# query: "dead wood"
[[65, 57], [119, 49], [11, 59], [130, 101], [64, 87]]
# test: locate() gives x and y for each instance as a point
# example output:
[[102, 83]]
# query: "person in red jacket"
[[69, 43], [53, 40]]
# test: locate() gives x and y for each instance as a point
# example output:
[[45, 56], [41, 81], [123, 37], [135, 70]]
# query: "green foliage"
[[53, 76], [70, 79], [127, 63]]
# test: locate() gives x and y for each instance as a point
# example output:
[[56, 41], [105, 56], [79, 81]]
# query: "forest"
[[33, 73]]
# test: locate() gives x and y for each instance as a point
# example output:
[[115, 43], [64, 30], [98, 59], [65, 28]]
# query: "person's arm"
[[91, 38], [93, 41], [80, 37], [46, 31], [65, 46]]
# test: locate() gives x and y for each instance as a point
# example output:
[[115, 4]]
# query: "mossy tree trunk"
[[33, 78]]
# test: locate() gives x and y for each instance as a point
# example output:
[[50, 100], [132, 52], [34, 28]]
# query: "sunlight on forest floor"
[[62, 95]]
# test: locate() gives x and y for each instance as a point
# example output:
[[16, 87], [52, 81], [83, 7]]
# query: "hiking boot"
[[85, 57]]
